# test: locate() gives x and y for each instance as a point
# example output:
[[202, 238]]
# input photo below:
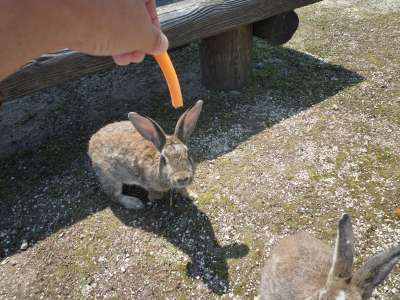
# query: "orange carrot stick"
[[172, 80]]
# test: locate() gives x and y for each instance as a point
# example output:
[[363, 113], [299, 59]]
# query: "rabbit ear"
[[343, 255], [375, 270], [187, 122], [149, 129]]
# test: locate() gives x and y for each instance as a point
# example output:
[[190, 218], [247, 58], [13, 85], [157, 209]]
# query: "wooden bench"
[[225, 28]]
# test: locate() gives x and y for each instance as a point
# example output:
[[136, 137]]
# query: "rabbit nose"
[[183, 180]]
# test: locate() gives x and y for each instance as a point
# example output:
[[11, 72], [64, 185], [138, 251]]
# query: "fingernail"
[[162, 45]]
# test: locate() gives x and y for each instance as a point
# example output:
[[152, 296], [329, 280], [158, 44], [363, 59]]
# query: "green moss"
[[208, 198], [253, 258], [81, 262], [181, 268], [328, 233], [290, 218], [183, 297], [228, 205], [314, 175], [340, 159]]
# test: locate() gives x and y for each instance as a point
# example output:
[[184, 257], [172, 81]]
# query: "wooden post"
[[277, 30], [226, 59]]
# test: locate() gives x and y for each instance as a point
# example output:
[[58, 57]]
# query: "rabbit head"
[[342, 283], [176, 164]]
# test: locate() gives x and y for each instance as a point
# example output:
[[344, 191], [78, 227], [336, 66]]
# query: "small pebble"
[[234, 93], [260, 66], [24, 245]]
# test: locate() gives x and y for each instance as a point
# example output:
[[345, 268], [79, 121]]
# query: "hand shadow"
[[189, 229]]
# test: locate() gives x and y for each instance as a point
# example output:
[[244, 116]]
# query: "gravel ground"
[[315, 134]]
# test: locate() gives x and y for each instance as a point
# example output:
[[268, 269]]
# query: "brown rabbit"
[[302, 267], [138, 152]]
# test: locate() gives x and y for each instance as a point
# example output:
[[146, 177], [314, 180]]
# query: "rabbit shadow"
[[188, 228]]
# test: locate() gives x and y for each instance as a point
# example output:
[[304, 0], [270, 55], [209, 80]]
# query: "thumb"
[[156, 42]]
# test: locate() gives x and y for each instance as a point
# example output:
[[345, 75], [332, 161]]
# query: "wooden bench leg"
[[226, 59], [278, 29]]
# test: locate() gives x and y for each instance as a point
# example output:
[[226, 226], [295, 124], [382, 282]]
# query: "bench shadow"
[[189, 229], [42, 192], [285, 82]]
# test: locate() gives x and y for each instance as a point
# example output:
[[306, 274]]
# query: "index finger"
[[152, 10]]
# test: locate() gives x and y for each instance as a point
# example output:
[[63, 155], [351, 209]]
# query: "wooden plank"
[[49, 71], [183, 22], [226, 59]]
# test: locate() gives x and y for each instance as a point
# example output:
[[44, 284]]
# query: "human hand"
[[125, 29], [138, 56]]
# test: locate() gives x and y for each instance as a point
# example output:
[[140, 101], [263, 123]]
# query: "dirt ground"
[[316, 133]]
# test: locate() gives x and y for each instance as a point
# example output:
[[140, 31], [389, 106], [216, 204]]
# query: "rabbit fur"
[[138, 152], [303, 267]]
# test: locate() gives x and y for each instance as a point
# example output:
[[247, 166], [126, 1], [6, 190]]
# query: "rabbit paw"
[[188, 194], [131, 202]]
